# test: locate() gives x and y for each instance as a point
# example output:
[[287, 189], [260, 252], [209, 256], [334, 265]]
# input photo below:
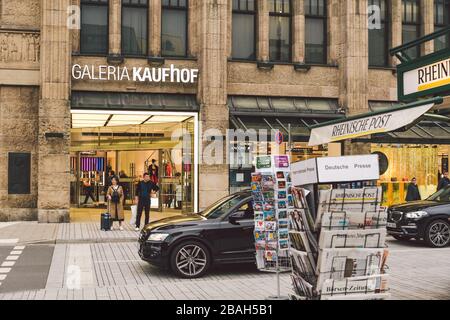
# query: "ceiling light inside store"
[[166, 119]]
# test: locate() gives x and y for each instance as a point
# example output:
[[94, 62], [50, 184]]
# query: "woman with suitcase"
[[115, 196]]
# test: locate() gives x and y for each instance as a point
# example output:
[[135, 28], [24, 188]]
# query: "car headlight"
[[416, 215], [158, 236]]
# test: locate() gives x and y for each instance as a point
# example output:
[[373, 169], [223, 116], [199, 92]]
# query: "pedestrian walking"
[[143, 199], [444, 182], [115, 197], [88, 190], [413, 193]]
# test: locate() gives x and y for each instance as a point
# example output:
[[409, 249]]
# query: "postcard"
[[281, 175], [268, 206], [282, 205], [259, 216], [283, 224], [282, 214], [256, 177], [281, 162], [284, 244], [269, 216], [271, 255], [281, 184], [282, 194], [283, 234], [259, 226], [271, 236], [259, 236], [257, 206], [271, 245], [270, 225]]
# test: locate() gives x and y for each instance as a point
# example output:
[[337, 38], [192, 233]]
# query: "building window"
[[411, 25], [134, 27], [174, 28], [441, 20], [379, 34], [280, 30], [244, 28], [94, 27], [316, 31], [19, 173]]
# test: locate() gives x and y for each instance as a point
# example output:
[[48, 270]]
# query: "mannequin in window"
[[153, 170]]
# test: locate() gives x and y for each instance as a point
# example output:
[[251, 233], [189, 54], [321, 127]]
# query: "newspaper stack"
[[342, 255], [271, 202]]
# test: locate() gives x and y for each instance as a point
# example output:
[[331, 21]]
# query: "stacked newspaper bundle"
[[271, 202], [341, 255]]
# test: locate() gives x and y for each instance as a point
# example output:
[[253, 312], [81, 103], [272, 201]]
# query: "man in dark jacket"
[[444, 182], [143, 199], [413, 193]]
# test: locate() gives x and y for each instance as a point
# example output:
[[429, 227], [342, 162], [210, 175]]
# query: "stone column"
[[263, 31], [333, 34], [212, 16], [427, 9], [155, 28], [76, 32], [115, 22], [396, 28], [54, 114], [353, 62], [298, 44], [193, 29]]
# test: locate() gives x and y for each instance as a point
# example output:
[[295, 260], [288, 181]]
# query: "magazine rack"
[[346, 237]]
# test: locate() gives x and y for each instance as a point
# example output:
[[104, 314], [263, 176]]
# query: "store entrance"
[[127, 145]]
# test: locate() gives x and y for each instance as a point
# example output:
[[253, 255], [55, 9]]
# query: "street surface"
[[41, 264]]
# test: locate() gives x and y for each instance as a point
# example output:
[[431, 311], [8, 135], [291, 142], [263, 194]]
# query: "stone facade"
[[35, 83]]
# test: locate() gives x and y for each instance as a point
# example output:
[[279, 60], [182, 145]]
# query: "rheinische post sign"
[[427, 76]]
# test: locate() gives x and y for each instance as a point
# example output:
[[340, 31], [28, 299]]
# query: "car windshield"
[[442, 195], [222, 206]]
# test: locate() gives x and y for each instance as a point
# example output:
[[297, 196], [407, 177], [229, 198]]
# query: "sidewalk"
[[85, 229]]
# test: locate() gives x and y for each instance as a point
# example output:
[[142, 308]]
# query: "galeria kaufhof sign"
[[426, 76], [170, 74]]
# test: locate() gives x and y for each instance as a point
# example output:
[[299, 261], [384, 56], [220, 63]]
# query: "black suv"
[[428, 220], [190, 244]]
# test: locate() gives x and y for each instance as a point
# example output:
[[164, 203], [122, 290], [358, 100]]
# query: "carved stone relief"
[[19, 47]]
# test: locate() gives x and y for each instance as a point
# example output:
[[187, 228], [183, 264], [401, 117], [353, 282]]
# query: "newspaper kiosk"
[[337, 233]]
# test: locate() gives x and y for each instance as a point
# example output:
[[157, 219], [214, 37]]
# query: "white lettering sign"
[[136, 74]]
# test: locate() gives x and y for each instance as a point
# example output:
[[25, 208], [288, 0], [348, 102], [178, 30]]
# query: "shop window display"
[[404, 163]]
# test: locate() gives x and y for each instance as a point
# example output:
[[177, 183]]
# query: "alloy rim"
[[191, 260], [440, 234]]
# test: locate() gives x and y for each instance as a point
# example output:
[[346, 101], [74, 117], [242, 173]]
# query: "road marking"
[[8, 264], [2, 276], [12, 258], [16, 253], [9, 241], [5, 270], [19, 248]]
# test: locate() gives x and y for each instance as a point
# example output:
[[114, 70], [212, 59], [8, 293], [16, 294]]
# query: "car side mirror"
[[235, 217]]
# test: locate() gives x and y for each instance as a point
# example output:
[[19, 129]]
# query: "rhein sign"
[[366, 124], [171, 74], [424, 77]]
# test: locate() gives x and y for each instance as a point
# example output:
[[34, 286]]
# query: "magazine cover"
[[347, 220], [355, 286], [374, 238], [338, 264]]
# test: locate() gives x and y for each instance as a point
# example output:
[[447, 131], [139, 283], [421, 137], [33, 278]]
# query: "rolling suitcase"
[[105, 222]]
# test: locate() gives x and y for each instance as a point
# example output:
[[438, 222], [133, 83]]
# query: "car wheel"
[[190, 260], [437, 234]]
